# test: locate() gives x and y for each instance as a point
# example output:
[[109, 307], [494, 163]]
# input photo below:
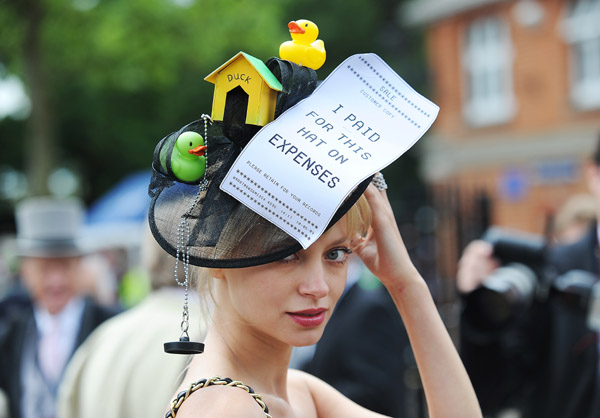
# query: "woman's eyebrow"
[[340, 241]]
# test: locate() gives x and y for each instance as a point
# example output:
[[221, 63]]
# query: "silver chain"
[[183, 240]]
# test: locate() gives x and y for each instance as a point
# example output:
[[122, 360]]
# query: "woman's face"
[[289, 300]]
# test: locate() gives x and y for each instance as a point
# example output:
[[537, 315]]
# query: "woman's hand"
[[382, 250]]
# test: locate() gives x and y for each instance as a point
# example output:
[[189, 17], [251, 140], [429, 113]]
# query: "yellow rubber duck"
[[304, 48]]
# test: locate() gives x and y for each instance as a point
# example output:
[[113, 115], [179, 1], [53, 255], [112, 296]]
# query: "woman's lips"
[[309, 317]]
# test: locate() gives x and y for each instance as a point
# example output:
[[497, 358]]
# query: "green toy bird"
[[188, 162]]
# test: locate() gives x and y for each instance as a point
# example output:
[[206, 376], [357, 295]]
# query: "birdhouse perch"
[[257, 81]]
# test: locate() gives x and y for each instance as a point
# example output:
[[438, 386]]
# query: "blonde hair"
[[358, 218], [358, 221], [204, 286]]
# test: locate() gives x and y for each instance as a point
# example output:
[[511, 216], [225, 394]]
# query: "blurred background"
[[88, 87]]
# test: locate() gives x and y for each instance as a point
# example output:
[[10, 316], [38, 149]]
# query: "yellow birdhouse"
[[255, 79]]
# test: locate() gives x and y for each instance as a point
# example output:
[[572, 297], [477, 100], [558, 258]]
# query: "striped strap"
[[214, 381]]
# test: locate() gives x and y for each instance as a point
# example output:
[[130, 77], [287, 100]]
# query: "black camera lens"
[[503, 294]]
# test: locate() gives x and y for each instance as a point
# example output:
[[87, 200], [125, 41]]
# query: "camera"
[[526, 276]]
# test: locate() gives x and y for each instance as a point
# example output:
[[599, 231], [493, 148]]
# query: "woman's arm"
[[448, 390]]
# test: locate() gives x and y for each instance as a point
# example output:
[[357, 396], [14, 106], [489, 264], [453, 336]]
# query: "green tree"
[[106, 82]]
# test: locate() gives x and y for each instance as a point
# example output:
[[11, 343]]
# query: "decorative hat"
[[189, 213], [49, 227]]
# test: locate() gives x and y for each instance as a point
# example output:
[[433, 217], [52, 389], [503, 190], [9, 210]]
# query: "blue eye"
[[339, 255]]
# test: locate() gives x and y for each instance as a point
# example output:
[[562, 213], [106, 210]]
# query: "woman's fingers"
[[383, 251]]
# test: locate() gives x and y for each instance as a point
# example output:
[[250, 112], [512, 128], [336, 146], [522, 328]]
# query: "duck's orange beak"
[[294, 28], [199, 151]]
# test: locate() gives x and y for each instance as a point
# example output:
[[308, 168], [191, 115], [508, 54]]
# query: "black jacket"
[[16, 319]]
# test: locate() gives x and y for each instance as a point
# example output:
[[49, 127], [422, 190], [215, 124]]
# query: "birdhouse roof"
[[266, 74]]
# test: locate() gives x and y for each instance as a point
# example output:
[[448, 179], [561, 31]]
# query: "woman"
[[270, 295], [261, 312]]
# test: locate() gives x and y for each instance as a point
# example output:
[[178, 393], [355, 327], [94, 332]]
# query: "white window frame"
[[487, 63], [581, 31]]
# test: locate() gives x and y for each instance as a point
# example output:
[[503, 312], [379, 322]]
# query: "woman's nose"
[[314, 283]]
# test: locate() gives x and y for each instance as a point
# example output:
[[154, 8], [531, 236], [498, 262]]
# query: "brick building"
[[518, 85]]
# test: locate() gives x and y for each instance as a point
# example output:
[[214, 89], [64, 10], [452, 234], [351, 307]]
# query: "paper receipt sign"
[[298, 169]]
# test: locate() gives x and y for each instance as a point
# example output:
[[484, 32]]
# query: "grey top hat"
[[49, 227]]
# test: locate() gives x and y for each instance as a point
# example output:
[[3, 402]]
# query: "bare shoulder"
[[302, 381], [299, 387], [328, 401], [297, 379], [220, 401]]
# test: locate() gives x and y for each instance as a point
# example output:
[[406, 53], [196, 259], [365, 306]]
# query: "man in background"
[[42, 327]]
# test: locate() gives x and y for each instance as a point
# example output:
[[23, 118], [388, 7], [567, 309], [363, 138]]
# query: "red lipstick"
[[309, 317]]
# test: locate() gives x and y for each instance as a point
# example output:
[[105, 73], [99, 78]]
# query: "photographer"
[[532, 349]]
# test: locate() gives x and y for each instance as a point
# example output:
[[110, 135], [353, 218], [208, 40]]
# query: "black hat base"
[[184, 346]]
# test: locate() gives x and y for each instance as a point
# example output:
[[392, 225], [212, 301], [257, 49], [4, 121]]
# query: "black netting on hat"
[[223, 232]]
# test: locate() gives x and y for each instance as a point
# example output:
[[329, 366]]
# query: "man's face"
[[52, 282]]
